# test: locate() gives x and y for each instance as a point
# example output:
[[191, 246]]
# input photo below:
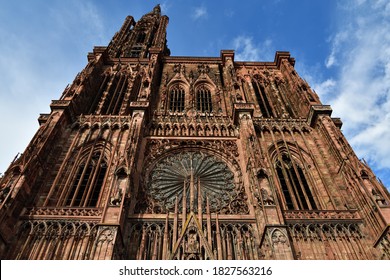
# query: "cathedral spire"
[[192, 182], [136, 38], [157, 9]]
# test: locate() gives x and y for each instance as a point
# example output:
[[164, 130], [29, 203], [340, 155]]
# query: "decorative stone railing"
[[43, 118], [102, 118], [139, 104], [59, 104], [202, 125], [323, 215], [282, 123], [122, 122], [68, 212]]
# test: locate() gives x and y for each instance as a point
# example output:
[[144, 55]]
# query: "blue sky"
[[342, 48]]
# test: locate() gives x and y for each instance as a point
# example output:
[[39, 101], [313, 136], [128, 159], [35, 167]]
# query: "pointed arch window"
[[176, 99], [116, 91], [295, 189], [141, 37], [203, 100], [262, 100], [88, 182]]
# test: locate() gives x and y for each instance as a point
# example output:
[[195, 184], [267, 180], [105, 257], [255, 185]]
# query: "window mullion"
[[198, 101], [210, 103], [289, 184], [296, 198], [82, 176], [285, 189], [265, 100], [174, 105], [204, 100], [171, 100], [181, 109], [301, 186], [92, 183], [306, 189]]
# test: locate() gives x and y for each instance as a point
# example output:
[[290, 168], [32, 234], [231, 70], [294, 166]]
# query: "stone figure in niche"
[[177, 68], [192, 244], [239, 98], [278, 237], [3, 193], [116, 199], [267, 198], [378, 197]]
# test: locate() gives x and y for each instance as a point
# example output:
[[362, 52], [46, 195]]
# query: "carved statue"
[[378, 198], [117, 199], [3, 193], [192, 246], [267, 199], [278, 237]]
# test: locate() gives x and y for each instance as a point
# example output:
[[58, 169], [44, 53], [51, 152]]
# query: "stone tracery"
[[191, 178], [208, 144]]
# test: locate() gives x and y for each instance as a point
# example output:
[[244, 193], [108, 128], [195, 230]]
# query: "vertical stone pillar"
[[104, 246], [276, 239]]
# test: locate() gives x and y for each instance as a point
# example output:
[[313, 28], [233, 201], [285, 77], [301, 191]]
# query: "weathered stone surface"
[[152, 156]]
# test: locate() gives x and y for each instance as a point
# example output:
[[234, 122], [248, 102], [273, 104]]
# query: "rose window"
[[191, 178]]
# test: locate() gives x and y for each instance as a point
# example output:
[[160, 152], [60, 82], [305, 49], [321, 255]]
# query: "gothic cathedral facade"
[[152, 156]]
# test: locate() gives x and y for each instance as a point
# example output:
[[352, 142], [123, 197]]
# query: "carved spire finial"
[[157, 9]]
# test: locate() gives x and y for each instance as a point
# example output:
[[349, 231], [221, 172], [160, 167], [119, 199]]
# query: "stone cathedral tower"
[[152, 156]]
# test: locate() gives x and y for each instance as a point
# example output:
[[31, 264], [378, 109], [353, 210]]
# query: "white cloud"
[[199, 12], [360, 91], [78, 18], [165, 7], [361, 51], [37, 61], [338, 39], [247, 50], [229, 13], [325, 88]]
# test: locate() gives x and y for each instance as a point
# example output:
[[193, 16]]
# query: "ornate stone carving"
[[106, 234], [190, 178], [55, 212], [276, 243], [203, 69], [193, 240], [157, 147], [59, 104], [267, 198], [384, 244], [52, 237], [378, 198], [192, 124], [310, 215], [103, 121], [282, 124], [325, 230], [3, 193], [116, 199], [278, 237]]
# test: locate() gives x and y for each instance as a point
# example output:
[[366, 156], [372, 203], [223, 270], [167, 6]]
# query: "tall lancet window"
[[262, 100], [176, 99], [87, 183], [116, 91], [295, 188], [141, 37], [203, 100]]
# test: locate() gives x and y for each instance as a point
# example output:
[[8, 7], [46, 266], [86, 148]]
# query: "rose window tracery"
[[192, 178]]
